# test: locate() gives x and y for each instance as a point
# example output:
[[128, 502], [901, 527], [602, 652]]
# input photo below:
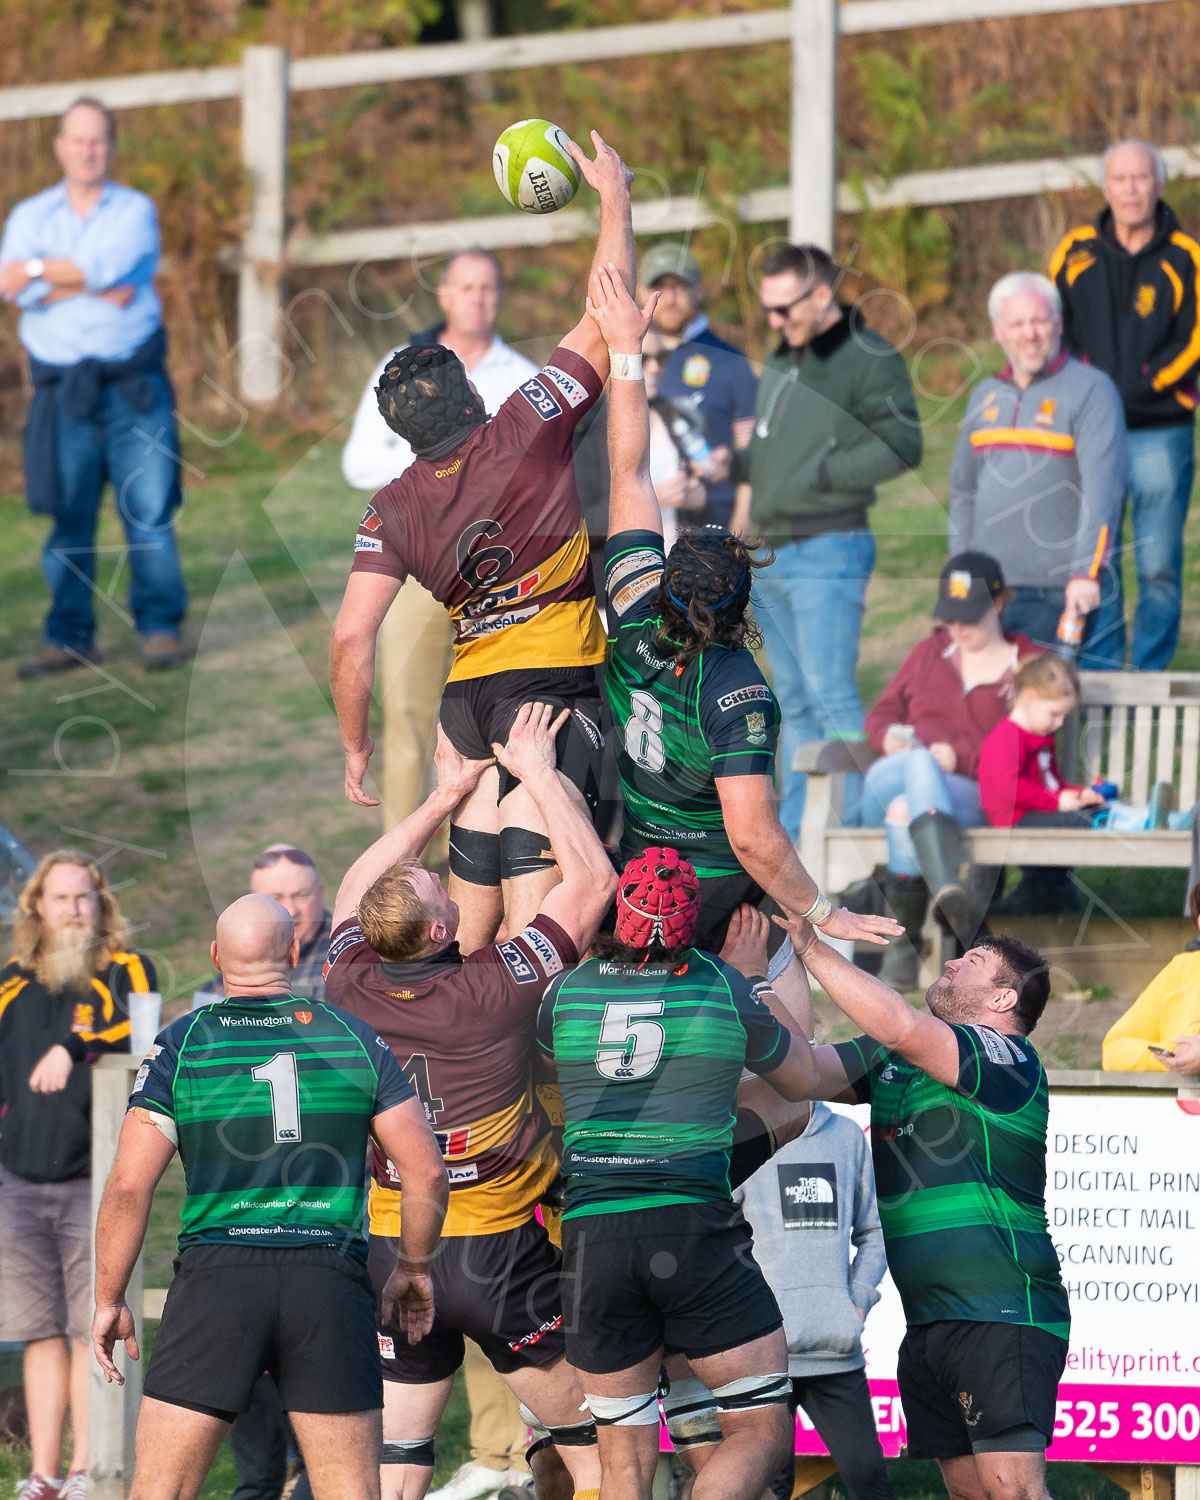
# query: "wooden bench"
[[1132, 728]]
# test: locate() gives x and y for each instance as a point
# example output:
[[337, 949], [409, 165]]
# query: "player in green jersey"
[[271, 1101], [695, 721], [649, 1039], [959, 1105]]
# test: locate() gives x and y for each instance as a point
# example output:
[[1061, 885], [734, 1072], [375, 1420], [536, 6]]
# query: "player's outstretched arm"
[[887, 1017], [456, 779], [579, 902], [768, 856], [367, 599], [404, 1135], [143, 1152], [610, 177], [632, 503]]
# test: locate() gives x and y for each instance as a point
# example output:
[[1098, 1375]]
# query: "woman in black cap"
[[953, 688]]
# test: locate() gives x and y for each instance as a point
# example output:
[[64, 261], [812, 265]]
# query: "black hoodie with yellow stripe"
[[48, 1137], [1136, 317]]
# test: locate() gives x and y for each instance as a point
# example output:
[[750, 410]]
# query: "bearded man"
[[63, 1001]]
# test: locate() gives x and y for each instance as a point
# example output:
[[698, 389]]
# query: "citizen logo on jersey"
[[368, 544], [634, 563], [540, 399], [371, 520], [756, 693], [575, 391], [348, 939], [518, 965], [544, 949]]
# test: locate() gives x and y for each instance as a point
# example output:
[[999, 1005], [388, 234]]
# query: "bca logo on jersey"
[[516, 962], [540, 399]]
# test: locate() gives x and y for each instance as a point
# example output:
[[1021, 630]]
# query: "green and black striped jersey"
[[961, 1178], [677, 730], [271, 1101], [649, 1060]]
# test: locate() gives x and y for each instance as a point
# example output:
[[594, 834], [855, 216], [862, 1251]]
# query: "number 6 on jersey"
[[629, 1047]]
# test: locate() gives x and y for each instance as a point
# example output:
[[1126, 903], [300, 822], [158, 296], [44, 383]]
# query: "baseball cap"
[[969, 582], [669, 260]]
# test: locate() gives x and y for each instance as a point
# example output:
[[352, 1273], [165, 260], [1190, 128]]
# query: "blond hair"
[[29, 930], [394, 919], [1047, 676]]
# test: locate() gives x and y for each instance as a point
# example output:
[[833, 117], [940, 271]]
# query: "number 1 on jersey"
[[279, 1074]]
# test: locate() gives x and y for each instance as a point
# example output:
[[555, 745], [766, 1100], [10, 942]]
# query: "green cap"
[[669, 260]]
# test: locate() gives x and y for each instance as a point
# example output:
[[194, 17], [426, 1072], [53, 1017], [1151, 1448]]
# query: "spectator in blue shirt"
[[706, 380], [79, 260]]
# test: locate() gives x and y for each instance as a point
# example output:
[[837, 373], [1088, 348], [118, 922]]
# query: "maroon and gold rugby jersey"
[[495, 531], [463, 1032]]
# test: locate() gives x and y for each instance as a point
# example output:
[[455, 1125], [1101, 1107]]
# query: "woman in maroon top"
[[953, 688]]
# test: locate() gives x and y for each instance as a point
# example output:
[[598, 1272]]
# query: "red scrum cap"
[[658, 900]]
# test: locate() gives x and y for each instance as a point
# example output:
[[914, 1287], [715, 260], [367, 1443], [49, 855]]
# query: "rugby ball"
[[533, 168]]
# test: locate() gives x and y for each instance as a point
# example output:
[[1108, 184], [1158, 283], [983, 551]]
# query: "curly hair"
[[29, 929], [608, 946], [684, 633]]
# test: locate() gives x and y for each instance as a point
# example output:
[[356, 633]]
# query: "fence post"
[[113, 1409], [814, 122], [260, 281]]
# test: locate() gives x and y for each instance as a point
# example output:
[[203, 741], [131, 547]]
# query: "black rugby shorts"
[[499, 1289], [306, 1315]]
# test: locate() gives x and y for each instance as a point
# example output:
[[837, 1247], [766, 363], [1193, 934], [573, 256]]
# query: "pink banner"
[[1095, 1424]]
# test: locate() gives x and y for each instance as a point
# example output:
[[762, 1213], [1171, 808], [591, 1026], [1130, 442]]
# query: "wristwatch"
[[35, 267]]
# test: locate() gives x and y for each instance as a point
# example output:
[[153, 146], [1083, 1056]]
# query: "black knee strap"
[[404, 1452], [574, 1435], [523, 852], [474, 856], [546, 1441]]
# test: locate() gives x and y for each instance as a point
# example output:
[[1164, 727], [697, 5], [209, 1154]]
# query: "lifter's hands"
[[857, 928], [356, 769], [406, 1302], [456, 775], [618, 317], [608, 173], [745, 946], [530, 748], [109, 1325]]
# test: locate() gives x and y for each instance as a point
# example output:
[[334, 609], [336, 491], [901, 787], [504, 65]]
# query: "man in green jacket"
[[836, 416]]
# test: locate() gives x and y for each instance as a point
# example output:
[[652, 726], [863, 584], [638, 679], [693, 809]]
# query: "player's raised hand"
[[608, 173], [407, 1302], [356, 769], [860, 928], [109, 1325], [455, 773], [618, 317], [530, 747]]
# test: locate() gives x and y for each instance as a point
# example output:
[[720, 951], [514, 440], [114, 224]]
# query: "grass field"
[[177, 780]]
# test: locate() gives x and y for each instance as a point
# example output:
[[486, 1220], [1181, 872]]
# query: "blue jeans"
[[917, 777], [1162, 463], [809, 605], [127, 448]]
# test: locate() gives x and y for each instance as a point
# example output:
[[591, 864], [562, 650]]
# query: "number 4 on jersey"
[[630, 1046]]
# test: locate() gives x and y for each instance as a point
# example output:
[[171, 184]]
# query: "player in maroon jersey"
[[463, 1032], [488, 518]]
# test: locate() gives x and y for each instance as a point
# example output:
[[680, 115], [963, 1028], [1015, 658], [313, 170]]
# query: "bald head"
[[256, 947]]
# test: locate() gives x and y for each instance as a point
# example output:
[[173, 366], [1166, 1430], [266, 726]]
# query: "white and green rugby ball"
[[533, 168]]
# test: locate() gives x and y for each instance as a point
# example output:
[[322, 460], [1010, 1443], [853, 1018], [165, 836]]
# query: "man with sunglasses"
[[836, 417]]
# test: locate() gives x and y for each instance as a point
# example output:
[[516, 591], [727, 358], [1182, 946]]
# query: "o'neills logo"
[[448, 470]]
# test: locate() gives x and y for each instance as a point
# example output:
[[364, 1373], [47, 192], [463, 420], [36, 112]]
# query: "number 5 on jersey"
[[630, 1046]]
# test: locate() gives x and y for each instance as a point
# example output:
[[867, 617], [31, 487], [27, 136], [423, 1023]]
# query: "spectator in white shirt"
[[415, 638]]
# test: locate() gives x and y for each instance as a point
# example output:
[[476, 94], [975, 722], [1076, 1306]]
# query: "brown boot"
[[161, 652], [51, 659]]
